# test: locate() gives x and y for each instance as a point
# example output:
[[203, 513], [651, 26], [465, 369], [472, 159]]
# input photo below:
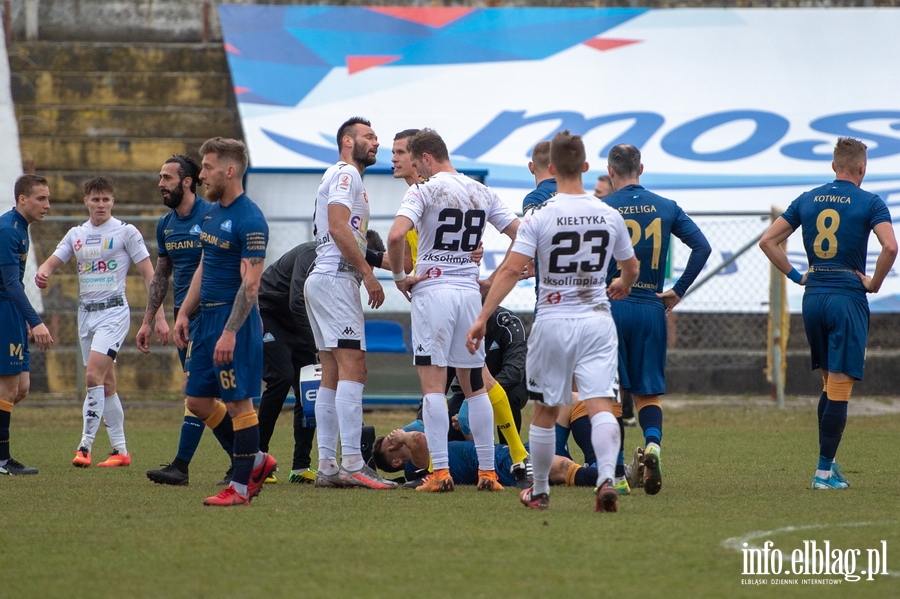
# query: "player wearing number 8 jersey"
[[641, 317], [836, 219], [573, 237], [450, 211]]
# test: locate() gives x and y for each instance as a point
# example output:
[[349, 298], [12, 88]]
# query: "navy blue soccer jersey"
[[13, 245], [178, 238], [229, 234], [545, 190], [836, 219], [651, 221]]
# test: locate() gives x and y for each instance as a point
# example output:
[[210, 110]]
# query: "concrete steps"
[[124, 121], [93, 108], [114, 57], [108, 88], [121, 110], [80, 153]]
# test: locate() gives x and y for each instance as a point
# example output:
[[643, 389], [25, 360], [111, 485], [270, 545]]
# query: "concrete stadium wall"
[[197, 20]]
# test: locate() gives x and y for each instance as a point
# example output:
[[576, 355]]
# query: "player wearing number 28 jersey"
[[450, 212]]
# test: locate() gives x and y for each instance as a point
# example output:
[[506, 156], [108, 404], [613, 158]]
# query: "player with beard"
[[333, 304], [225, 354], [179, 250]]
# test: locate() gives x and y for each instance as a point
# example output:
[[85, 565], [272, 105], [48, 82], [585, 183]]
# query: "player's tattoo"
[[159, 286], [241, 308]]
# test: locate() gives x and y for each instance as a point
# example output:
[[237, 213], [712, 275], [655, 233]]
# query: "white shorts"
[[103, 331], [562, 348], [335, 312], [441, 317]]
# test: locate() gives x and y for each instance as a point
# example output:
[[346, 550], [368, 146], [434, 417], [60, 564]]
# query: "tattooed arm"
[[159, 286], [251, 273]]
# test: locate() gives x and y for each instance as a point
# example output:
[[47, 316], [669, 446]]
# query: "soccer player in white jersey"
[[450, 211], [335, 310], [103, 248], [573, 236]]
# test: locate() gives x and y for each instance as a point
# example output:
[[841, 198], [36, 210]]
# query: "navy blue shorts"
[[643, 336], [837, 327], [241, 378], [193, 328], [502, 465], [13, 339]]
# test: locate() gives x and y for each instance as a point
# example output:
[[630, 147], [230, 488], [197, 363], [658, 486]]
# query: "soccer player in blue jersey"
[[603, 187], [641, 317], [179, 250], [17, 315], [544, 181], [836, 219], [226, 352]]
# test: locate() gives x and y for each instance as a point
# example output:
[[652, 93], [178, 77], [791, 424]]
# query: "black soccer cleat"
[[16, 468], [168, 475]]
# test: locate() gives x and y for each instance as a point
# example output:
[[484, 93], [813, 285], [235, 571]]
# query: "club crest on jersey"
[[226, 226], [77, 245], [195, 230], [433, 272], [554, 298], [108, 243]]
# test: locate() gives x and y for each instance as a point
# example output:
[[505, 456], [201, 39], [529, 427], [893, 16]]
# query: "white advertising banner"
[[734, 110]]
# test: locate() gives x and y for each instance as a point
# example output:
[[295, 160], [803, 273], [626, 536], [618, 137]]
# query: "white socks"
[[348, 403], [605, 439], [481, 423], [92, 411], [542, 442], [327, 430], [114, 417], [437, 425]]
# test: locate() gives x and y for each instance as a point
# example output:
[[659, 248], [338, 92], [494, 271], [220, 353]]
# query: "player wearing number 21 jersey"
[[572, 237], [450, 212]]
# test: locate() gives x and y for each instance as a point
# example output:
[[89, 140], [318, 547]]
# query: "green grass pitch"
[[731, 475]]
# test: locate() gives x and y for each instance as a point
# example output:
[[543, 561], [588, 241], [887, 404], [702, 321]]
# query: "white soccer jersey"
[[450, 211], [103, 255], [574, 238], [341, 184]]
